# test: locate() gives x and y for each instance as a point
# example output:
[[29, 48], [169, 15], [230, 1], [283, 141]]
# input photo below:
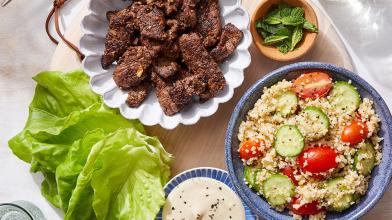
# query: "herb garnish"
[[283, 27]]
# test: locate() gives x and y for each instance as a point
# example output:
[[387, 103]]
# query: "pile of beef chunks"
[[175, 46]]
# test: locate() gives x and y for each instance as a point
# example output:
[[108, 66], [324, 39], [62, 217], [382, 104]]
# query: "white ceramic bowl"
[[94, 28]]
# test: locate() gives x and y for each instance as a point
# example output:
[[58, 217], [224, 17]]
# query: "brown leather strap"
[[56, 12]]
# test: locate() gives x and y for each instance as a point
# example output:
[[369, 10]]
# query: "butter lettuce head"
[[96, 164]]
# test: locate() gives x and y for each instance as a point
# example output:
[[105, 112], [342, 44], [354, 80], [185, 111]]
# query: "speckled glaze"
[[381, 175]]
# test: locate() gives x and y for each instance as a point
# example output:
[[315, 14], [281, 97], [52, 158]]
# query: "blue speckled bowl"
[[381, 175]]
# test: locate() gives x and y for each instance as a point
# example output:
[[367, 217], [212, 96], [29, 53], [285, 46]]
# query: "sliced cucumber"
[[345, 97], [250, 175], [334, 188], [287, 103], [313, 123], [321, 119], [278, 189], [289, 141], [365, 159]]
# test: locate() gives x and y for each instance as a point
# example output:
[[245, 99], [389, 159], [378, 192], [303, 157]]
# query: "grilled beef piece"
[[173, 28], [186, 16], [183, 73], [138, 94], [209, 22], [169, 49], [170, 7], [194, 84], [165, 67], [134, 66], [201, 63], [171, 98], [151, 22], [231, 37], [118, 38]]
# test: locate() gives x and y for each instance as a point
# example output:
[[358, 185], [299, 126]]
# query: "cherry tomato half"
[[289, 172], [355, 133], [313, 85], [317, 159], [251, 149], [306, 209]]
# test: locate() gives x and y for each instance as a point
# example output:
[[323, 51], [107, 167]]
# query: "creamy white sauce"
[[203, 199]]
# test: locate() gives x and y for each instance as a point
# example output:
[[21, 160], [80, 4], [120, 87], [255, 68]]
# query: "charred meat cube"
[[137, 94], [173, 28], [169, 49], [209, 22], [172, 98], [200, 62], [134, 66], [118, 38], [165, 67], [193, 84], [183, 73], [170, 7], [186, 17], [215, 84], [151, 22], [231, 37]]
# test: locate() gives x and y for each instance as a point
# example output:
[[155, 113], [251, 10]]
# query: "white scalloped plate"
[[94, 28]]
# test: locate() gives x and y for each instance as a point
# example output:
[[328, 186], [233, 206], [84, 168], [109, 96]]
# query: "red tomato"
[[355, 133], [306, 209], [251, 149], [317, 159], [313, 85], [289, 172]]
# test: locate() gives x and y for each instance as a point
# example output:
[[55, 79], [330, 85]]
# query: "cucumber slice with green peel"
[[313, 123], [289, 141], [250, 175], [343, 204], [365, 159], [287, 103], [278, 189], [345, 97], [319, 117], [334, 188]]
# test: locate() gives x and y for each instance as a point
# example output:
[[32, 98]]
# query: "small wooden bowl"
[[271, 51]]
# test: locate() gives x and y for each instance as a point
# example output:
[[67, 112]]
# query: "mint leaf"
[[284, 31], [310, 27], [272, 20], [292, 20], [285, 12], [297, 37], [284, 48], [266, 27], [264, 34], [297, 12], [274, 39]]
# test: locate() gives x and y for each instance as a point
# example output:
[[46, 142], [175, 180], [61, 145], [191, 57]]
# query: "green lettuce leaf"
[[62, 111], [96, 164], [126, 171]]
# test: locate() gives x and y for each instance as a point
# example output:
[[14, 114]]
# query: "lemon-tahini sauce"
[[203, 199]]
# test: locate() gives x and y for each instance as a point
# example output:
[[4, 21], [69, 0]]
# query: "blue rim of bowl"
[[279, 73], [209, 172]]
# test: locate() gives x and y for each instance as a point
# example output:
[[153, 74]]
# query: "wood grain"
[[202, 144]]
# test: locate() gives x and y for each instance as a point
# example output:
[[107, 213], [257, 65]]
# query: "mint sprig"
[[283, 27]]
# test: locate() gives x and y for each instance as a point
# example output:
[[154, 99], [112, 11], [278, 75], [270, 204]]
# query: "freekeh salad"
[[309, 145]]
